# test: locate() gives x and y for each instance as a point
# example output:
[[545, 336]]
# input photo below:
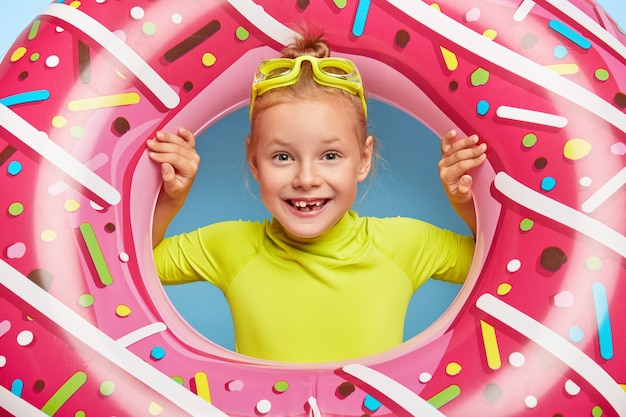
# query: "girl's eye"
[[281, 157], [331, 156]]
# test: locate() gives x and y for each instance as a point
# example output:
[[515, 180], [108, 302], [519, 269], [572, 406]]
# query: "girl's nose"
[[307, 176]]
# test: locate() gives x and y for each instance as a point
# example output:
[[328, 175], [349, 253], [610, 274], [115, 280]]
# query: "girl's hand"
[[457, 158], [179, 162]]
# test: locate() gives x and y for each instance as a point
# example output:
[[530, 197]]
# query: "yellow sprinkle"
[[122, 310], [119, 74], [114, 100], [623, 387], [18, 54], [490, 34], [208, 59], [155, 409], [576, 148], [491, 345], [564, 69], [59, 121], [202, 386], [453, 368], [48, 235], [75, 4], [436, 6], [449, 58], [504, 288], [71, 205]]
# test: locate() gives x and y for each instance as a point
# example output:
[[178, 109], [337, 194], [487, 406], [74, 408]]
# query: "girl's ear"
[[366, 159], [250, 154]]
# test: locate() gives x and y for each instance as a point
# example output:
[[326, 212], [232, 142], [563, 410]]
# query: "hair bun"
[[308, 44]]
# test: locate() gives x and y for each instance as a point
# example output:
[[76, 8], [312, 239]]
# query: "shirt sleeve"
[[212, 253], [424, 250]]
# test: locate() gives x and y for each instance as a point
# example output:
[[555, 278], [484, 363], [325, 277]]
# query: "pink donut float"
[[540, 327]]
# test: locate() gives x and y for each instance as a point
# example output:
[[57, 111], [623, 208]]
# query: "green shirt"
[[338, 296]]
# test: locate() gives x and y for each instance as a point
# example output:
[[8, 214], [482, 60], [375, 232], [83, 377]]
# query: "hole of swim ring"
[[406, 183]]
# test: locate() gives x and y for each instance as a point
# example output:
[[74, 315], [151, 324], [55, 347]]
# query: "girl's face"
[[308, 160]]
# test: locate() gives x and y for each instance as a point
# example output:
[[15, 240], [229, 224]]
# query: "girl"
[[316, 282]]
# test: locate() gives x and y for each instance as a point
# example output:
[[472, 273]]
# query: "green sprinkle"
[[445, 396], [281, 386], [107, 388], [529, 140], [479, 77], [86, 300], [64, 393], [89, 236], [149, 28], [16, 208], [242, 33], [593, 263], [34, 29], [77, 132], [602, 74], [526, 224]]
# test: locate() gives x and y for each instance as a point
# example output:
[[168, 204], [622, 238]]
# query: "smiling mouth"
[[307, 206]]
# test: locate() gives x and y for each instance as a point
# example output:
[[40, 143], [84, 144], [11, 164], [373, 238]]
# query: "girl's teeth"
[[303, 204]]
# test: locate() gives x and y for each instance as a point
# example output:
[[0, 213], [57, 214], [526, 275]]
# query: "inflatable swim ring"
[[85, 328]]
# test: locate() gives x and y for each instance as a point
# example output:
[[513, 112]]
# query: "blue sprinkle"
[[576, 334], [482, 107], [26, 97], [371, 403], [14, 168], [358, 27], [548, 183], [560, 51], [17, 387], [157, 353], [605, 334], [569, 33]]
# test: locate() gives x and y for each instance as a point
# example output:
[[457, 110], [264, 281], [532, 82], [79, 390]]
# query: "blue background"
[[406, 183]]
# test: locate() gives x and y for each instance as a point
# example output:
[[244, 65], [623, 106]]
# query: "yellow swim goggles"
[[332, 72]]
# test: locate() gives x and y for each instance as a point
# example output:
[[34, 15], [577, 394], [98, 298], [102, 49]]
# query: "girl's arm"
[[179, 164], [457, 158]]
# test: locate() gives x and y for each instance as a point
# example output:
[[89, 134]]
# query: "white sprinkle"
[[585, 181], [514, 265], [517, 359], [177, 18], [564, 299], [472, 14], [531, 401], [263, 406], [531, 116], [571, 387], [96, 206], [25, 338], [425, 377], [124, 257], [52, 61], [137, 13], [523, 10]]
